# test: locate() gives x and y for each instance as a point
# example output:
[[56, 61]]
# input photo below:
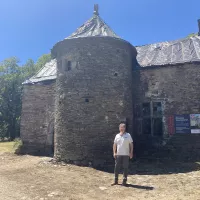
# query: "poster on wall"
[[195, 123], [182, 123]]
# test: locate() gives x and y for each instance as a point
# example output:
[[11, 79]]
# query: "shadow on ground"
[[136, 186], [149, 167], [140, 187]]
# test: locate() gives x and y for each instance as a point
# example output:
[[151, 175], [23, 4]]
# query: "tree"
[[11, 77], [10, 97], [29, 68], [42, 61]]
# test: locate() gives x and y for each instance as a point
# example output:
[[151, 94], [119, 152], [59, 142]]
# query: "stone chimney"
[[199, 27]]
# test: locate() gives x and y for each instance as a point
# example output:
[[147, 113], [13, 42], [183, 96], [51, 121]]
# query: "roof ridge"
[[91, 28], [170, 41], [197, 52], [108, 27]]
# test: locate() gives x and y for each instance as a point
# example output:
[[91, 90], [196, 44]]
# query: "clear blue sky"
[[29, 28]]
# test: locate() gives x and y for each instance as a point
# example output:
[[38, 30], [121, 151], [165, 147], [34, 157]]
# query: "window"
[[157, 108], [67, 66], [146, 111], [87, 100], [69, 63], [157, 126], [148, 116], [146, 126]]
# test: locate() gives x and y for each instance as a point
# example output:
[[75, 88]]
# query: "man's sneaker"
[[124, 182]]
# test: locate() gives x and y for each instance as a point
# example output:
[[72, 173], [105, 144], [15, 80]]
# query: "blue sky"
[[30, 28]]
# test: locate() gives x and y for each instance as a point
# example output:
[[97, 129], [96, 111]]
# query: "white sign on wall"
[[195, 123]]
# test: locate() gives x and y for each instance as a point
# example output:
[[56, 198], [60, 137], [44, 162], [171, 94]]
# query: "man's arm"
[[131, 150], [114, 150]]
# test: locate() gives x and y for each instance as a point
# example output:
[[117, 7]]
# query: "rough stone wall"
[[181, 147], [93, 95], [37, 119], [177, 87]]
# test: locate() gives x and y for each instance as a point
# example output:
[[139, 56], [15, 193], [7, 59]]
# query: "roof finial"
[[96, 9]]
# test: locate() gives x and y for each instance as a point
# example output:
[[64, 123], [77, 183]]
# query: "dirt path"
[[33, 178]]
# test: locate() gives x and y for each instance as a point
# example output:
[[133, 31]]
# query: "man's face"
[[122, 127]]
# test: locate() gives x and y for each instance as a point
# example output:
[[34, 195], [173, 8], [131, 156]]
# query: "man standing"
[[122, 151]]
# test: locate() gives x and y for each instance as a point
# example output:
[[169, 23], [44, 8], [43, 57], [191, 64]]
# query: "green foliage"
[[29, 68], [11, 77], [17, 145], [42, 61], [10, 96], [3, 130]]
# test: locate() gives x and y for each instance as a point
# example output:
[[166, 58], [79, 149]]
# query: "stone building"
[[72, 107]]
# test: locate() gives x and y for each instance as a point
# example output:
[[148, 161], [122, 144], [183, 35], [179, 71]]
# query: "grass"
[[6, 147]]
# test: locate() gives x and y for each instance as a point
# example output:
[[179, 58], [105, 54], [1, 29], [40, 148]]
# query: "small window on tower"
[[87, 100], [67, 65]]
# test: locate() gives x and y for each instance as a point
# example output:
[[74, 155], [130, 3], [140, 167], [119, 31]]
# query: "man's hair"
[[122, 124]]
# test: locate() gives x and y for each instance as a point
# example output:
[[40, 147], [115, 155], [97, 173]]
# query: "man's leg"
[[125, 168], [118, 162]]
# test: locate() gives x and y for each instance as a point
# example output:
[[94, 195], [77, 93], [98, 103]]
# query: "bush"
[[18, 144]]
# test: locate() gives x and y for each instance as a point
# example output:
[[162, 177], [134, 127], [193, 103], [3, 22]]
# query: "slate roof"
[[159, 54], [166, 53], [48, 72], [95, 26]]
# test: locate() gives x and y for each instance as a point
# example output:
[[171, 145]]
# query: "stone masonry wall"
[[93, 95], [178, 88], [37, 119]]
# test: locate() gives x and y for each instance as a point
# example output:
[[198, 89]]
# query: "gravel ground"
[[35, 178]]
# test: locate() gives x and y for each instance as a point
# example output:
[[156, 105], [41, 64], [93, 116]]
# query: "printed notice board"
[[182, 124], [195, 123]]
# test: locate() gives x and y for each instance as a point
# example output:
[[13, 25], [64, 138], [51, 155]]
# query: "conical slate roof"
[[95, 26]]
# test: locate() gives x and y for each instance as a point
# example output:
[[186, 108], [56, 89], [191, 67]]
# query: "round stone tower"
[[93, 92]]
